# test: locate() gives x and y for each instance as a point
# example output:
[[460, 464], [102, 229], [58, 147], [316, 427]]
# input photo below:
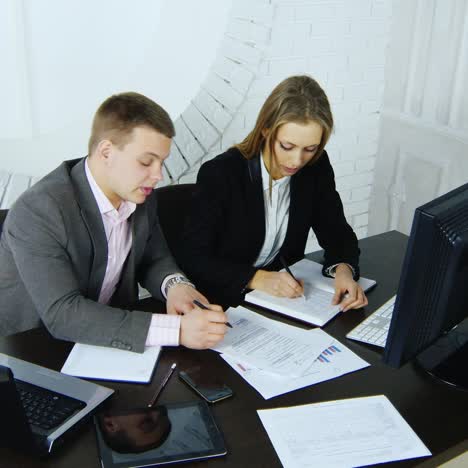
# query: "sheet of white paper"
[[333, 362], [99, 362], [342, 433], [316, 307], [270, 345]]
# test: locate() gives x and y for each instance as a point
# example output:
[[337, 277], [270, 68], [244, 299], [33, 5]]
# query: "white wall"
[[62, 59], [339, 42], [343, 45], [423, 147]]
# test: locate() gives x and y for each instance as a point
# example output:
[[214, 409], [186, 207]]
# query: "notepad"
[[101, 363], [315, 307]]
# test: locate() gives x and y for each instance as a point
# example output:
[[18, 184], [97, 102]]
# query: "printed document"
[[99, 362], [341, 433], [334, 361], [315, 307], [270, 345]]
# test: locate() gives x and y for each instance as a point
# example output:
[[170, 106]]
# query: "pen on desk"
[[285, 266], [203, 306], [162, 385]]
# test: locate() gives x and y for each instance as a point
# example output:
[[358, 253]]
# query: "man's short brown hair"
[[119, 114]]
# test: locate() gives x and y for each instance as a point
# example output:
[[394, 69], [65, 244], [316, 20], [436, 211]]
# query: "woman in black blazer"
[[255, 204]]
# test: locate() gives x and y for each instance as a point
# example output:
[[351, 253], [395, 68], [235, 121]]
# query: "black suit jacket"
[[225, 230]]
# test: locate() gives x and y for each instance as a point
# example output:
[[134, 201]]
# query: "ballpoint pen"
[[162, 385], [285, 266], [202, 306]]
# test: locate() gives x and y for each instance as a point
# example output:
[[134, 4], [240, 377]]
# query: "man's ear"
[[103, 149]]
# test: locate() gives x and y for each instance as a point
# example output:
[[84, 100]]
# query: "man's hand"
[[202, 329], [276, 283], [347, 290], [180, 299]]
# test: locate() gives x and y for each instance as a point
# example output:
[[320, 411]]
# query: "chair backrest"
[[3, 214], [173, 208]]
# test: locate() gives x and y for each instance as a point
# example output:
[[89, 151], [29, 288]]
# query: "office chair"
[[173, 207], [3, 214]]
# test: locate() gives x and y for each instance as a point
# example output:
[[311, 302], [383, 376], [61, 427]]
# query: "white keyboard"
[[374, 329]]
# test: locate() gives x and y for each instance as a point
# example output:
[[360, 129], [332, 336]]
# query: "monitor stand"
[[446, 359]]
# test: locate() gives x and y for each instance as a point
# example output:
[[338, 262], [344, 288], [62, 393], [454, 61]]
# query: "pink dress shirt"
[[164, 329]]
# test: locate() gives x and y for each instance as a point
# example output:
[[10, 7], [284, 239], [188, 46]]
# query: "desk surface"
[[437, 413]]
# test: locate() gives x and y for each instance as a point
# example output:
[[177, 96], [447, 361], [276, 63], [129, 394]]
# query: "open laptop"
[[40, 407]]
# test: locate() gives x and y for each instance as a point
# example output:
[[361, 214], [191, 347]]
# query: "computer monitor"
[[432, 298]]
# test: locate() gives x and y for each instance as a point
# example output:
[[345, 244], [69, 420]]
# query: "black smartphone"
[[205, 384]]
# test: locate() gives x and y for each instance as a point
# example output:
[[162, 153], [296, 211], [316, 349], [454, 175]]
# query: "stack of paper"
[[315, 307], [276, 358], [353, 432]]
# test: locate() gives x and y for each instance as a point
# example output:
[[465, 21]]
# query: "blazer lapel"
[[299, 199], [255, 203], [93, 221], [140, 230], [127, 290]]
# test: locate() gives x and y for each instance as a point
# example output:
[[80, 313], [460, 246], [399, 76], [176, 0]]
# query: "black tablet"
[[157, 436]]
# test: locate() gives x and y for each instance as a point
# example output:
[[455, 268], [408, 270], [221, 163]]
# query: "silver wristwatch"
[[176, 280]]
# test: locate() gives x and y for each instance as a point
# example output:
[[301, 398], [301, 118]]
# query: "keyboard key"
[[44, 408], [374, 329]]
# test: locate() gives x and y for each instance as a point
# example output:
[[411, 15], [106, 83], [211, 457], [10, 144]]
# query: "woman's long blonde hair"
[[298, 99]]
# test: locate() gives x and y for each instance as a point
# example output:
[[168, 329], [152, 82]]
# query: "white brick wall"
[[341, 43]]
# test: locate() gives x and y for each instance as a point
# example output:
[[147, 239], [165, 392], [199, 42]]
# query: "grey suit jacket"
[[53, 257]]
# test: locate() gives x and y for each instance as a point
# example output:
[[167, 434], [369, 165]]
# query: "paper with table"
[[315, 307], [99, 362], [333, 361], [342, 433], [270, 345]]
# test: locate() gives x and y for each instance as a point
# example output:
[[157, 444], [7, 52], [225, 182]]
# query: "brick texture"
[[340, 43]]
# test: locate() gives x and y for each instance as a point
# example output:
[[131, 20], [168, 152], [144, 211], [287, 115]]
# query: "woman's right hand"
[[276, 283]]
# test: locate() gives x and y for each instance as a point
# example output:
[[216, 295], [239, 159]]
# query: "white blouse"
[[276, 215]]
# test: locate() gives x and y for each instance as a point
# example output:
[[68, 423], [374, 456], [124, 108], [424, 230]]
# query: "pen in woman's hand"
[[204, 307], [285, 266]]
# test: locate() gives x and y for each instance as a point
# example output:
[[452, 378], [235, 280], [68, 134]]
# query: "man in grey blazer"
[[75, 245]]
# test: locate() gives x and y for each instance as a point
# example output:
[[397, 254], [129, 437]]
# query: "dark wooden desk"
[[437, 413]]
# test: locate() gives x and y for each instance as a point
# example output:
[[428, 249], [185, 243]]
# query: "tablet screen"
[[159, 435]]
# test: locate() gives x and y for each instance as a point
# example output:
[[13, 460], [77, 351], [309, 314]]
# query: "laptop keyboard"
[[44, 408]]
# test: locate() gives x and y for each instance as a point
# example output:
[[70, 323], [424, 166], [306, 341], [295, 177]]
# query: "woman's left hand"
[[347, 290]]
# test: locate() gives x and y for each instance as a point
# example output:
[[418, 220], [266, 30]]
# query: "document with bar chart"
[[334, 361]]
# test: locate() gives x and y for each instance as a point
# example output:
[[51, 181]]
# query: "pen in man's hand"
[[285, 266], [162, 385], [203, 306]]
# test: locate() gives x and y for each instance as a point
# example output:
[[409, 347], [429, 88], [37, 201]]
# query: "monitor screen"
[[432, 296]]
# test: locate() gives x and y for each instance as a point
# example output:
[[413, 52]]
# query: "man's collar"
[[126, 208]]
